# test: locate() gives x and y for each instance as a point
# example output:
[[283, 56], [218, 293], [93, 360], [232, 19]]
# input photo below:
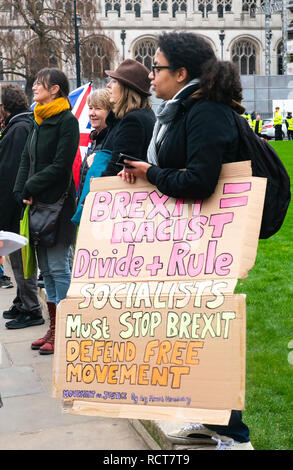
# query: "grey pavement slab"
[[19, 381], [100, 434]]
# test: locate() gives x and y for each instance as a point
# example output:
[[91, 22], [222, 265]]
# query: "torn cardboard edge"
[[158, 413]]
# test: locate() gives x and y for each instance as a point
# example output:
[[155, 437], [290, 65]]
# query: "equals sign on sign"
[[235, 201]]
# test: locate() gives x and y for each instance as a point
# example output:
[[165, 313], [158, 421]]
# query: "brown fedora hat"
[[134, 75]]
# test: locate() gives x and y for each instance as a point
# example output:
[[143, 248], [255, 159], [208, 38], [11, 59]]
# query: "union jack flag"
[[78, 100]]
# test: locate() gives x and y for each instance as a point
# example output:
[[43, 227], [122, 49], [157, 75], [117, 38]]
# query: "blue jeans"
[[55, 269], [236, 429]]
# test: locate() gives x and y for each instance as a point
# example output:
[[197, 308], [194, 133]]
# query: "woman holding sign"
[[45, 176], [198, 92]]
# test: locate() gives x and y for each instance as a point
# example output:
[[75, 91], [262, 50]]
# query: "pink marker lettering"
[[218, 221], [100, 208]]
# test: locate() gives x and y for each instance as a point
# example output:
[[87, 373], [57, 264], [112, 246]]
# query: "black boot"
[[25, 319]]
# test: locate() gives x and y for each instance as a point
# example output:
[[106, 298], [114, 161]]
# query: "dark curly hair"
[[187, 50], [219, 80], [13, 98]]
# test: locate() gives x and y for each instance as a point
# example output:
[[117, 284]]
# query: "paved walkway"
[[30, 418]]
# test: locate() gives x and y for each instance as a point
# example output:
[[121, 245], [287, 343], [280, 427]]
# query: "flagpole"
[[77, 20]]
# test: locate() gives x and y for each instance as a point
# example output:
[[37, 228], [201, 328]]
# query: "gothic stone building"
[[236, 29], [242, 21]]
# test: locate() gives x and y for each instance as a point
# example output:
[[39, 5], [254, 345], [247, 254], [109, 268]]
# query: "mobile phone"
[[123, 156]]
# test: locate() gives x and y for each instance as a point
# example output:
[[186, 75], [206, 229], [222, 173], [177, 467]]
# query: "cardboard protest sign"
[[151, 328]]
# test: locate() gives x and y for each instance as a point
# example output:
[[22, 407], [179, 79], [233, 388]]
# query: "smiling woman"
[[99, 107]]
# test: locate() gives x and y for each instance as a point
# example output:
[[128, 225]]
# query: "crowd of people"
[[38, 148]]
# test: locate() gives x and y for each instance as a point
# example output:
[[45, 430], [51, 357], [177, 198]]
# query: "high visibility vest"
[[290, 124], [248, 118], [260, 123], [278, 119]]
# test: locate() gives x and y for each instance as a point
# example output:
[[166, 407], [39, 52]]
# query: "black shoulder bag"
[[44, 220]]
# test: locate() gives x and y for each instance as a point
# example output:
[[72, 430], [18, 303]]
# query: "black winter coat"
[[12, 143], [45, 171], [201, 138], [130, 135]]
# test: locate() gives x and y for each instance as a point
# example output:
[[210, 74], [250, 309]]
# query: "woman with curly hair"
[[195, 130]]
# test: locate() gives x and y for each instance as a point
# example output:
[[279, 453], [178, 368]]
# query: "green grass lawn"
[[269, 375]]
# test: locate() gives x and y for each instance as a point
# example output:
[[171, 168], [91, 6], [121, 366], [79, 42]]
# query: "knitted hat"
[[134, 75]]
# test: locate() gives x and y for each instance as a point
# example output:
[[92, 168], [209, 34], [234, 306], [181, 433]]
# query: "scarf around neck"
[[165, 115], [45, 111]]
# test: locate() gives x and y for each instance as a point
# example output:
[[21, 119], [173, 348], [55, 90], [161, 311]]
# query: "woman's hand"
[[90, 159], [139, 170]]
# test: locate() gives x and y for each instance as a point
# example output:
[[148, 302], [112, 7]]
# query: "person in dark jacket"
[[18, 123], [45, 175], [197, 89], [130, 124], [99, 107]]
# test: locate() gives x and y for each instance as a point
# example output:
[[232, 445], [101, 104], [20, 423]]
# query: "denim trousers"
[[55, 269]]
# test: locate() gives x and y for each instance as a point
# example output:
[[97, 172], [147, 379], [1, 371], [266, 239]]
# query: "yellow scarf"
[[46, 111]]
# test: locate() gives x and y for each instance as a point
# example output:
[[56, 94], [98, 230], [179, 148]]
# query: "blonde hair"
[[129, 101], [100, 99]]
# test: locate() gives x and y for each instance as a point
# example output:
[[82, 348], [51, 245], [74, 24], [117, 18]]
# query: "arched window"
[[178, 5], [1, 70], [97, 54], [113, 5], [249, 6], [158, 6], [223, 6], [205, 6], [280, 50], [244, 55], [134, 5], [68, 7], [144, 50], [290, 30], [84, 8]]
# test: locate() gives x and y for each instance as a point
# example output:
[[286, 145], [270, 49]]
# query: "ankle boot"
[[48, 346], [52, 314]]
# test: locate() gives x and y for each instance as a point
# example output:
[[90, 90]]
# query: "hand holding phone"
[[123, 156]]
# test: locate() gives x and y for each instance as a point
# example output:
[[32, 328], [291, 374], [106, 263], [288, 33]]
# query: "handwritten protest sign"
[[151, 328]]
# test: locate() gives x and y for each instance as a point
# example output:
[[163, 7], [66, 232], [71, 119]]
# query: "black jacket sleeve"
[[129, 139], [207, 138]]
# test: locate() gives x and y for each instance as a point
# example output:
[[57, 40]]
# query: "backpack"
[[265, 163]]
